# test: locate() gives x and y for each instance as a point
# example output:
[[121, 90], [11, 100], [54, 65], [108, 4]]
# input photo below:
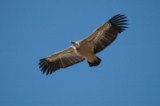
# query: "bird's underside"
[[87, 48]]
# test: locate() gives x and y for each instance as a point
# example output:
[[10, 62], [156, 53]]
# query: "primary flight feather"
[[87, 48]]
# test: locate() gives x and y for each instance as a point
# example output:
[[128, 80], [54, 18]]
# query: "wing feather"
[[107, 33], [59, 60]]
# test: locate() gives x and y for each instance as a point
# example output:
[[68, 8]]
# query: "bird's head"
[[75, 44]]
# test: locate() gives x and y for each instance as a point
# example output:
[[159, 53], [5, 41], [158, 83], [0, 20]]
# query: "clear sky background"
[[129, 74]]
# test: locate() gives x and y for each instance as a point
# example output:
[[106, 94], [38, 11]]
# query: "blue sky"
[[129, 74]]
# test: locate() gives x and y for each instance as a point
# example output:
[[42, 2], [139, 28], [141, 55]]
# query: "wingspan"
[[107, 33], [59, 60]]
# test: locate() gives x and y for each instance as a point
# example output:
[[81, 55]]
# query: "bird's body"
[[86, 51], [87, 48]]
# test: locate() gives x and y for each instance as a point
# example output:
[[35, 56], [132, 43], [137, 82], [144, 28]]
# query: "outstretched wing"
[[107, 33], [59, 60]]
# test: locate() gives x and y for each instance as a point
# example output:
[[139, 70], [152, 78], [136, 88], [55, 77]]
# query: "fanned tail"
[[95, 63]]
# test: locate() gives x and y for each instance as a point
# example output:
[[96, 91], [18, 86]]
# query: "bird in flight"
[[87, 48]]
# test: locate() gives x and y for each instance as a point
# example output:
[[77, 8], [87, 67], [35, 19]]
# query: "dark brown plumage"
[[86, 48]]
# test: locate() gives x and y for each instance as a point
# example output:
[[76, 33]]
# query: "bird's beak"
[[72, 42]]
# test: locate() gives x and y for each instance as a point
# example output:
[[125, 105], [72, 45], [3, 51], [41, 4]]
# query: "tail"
[[94, 63]]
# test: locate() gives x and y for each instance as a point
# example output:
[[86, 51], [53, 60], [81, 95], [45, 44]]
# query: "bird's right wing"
[[59, 60]]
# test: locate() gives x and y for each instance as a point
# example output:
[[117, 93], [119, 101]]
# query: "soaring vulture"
[[87, 48]]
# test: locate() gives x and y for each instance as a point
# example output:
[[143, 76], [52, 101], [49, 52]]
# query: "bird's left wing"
[[59, 60], [107, 33]]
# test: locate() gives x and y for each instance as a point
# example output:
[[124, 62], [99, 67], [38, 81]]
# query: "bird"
[[85, 49]]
